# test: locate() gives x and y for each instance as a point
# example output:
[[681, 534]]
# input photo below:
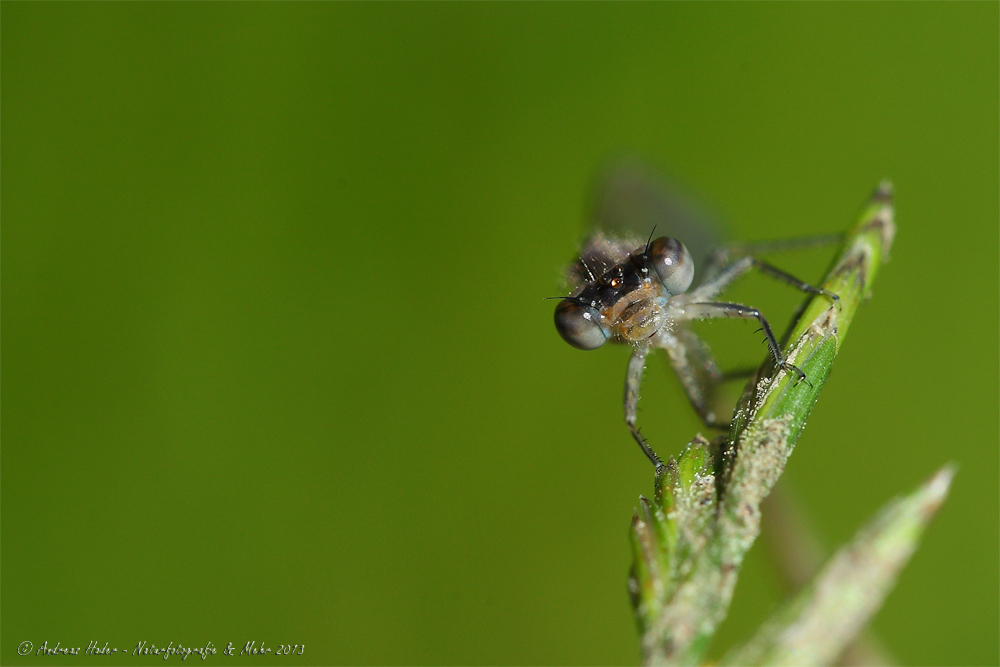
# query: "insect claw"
[[834, 298], [798, 371]]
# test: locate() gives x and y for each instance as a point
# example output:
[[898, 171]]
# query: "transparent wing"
[[629, 198]]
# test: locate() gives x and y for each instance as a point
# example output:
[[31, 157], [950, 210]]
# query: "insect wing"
[[630, 198]]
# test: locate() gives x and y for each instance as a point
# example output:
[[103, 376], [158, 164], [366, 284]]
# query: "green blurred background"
[[276, 363]]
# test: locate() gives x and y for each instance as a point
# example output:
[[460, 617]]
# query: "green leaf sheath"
[[689, 542]]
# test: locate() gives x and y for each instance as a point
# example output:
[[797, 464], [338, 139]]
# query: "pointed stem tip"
[[936, 489], [884, 190]]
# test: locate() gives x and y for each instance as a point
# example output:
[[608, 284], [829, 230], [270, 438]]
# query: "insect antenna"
[[648, 241]]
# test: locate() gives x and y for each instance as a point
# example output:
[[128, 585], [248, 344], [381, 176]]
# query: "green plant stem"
[[690, 542]]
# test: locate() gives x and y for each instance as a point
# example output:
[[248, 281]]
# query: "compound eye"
[[580, 325], [672, 263]]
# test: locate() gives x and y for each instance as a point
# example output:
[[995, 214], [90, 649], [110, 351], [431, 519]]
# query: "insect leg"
[[713, 309], [789, 279], [633, 378], [721, 280], [720, 257], [697, 370]]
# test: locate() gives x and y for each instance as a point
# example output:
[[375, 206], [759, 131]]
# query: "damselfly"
[[644, 291]]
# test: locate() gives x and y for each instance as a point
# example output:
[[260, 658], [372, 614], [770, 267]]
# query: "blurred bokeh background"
[[277, 365]]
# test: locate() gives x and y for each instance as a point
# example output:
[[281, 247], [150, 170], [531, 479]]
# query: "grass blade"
[[824, 618]]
